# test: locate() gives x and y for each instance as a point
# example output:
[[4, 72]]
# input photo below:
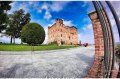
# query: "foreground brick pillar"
[[99, 46], [97, 69]]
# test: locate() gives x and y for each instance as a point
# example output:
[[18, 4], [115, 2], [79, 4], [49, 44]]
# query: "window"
[[69, 37]]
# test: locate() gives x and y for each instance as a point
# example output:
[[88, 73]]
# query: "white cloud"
[[6, 39], [115, 31], [116, 5], [88, 27], [13, 3], [87, 35], [68, 23], [46, 35], [45, 6], [52, 22], [31, 2], [55, 6], [39, 11], [16, 6], [13, 8], [47, 15], [24, 6], [89, 6], [58, 5], [86, 38], [84, 28]]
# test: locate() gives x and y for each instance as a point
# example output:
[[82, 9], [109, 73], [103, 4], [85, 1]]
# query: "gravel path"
[[66, 63]]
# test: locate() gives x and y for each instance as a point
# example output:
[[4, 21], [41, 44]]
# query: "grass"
[[25, 47]]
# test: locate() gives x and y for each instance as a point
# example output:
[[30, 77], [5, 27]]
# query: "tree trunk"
[[11, 40], [21, 41], [14, 39]]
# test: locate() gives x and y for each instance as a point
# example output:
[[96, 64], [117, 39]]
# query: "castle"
[[62, 34]]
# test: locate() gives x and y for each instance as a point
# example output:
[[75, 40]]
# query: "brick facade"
[[62, 34]]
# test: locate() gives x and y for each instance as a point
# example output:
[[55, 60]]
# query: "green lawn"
[[24, 47]]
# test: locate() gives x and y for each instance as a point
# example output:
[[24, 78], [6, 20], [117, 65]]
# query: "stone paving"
[[64, 63]]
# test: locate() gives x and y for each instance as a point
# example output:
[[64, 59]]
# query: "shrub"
[[33, 33], [53, 43]]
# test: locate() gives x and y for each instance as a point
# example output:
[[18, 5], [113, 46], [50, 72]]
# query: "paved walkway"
[[67, 63]]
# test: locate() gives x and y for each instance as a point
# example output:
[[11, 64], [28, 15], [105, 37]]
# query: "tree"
[[33, 33], [16, 22], [11, 28], [22, 19], [4, 7]]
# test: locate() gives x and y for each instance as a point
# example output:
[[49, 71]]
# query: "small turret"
[[59, 21]]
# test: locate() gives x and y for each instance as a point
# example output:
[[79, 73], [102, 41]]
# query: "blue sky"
[[72, 12]]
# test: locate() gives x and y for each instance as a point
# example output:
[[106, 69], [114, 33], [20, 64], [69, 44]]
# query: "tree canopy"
[[4, 7], [16, 22], [33, 33]]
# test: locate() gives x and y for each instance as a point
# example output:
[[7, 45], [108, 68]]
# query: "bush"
[[33, 33], [53, 43]]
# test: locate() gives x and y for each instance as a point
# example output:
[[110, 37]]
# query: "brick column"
[[94, 71], [97, 68]]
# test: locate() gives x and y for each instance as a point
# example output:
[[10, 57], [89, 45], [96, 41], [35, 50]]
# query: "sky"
[[74, 13]]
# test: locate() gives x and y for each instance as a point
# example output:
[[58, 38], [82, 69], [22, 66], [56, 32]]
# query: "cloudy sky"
[[72, 12]]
